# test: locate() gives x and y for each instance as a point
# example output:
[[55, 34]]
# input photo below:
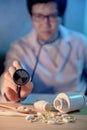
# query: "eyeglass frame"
[[40, 17]]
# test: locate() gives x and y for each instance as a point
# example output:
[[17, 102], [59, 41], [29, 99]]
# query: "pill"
[[51, 122], [29, 117]]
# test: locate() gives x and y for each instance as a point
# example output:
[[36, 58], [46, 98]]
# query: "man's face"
[[45, 20]]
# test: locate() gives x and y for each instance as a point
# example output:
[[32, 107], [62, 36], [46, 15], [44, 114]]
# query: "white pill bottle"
[[69, 101], [42, 105]]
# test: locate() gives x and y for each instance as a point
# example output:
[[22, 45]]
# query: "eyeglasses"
[[41, 17]]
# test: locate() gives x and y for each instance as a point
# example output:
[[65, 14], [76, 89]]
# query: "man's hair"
[[61, 5]]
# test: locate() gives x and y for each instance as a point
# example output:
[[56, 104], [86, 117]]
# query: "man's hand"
[[10, 89]]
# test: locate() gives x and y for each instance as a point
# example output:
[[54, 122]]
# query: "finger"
[[7, 75], [12, 70], [8, 81], [10, 85], [16, 64], [8, 78], [11, 94], [25, 90]]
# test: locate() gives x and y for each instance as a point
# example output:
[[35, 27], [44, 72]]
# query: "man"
[[54, 56]]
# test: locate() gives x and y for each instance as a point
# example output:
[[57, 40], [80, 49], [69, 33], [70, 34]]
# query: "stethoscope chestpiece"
[[21, 77]]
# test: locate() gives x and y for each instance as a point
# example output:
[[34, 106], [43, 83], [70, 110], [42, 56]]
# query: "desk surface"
[[20, 123]]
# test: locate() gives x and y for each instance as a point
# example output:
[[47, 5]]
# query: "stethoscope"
[[21, 76]]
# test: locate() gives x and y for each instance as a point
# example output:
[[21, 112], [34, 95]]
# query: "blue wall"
[[15, 21], [85, 19], [75, 15]]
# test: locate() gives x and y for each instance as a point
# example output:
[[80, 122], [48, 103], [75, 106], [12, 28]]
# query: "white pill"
[[51, 122], [29, 117], [26, 109], [65, 120], [21, 108], [65, 115], [39, 114]]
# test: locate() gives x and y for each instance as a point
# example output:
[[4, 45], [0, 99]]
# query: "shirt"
[[60, 64]]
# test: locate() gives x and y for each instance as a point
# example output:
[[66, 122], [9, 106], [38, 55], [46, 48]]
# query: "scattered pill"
[[51, 122], [29, 117], [51, 118]]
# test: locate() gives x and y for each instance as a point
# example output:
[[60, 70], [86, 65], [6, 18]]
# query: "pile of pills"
[[51, 118], [25, 109], [48, 117]]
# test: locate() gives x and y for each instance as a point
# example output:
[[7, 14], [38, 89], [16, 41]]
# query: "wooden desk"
[[20, 123]]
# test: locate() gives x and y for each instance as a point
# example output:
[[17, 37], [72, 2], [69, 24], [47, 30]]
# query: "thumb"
[[17, 64]]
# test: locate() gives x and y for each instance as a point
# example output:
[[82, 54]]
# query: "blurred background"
[[15, 21]]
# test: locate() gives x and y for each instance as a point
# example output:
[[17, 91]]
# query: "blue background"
[[15, 21]]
